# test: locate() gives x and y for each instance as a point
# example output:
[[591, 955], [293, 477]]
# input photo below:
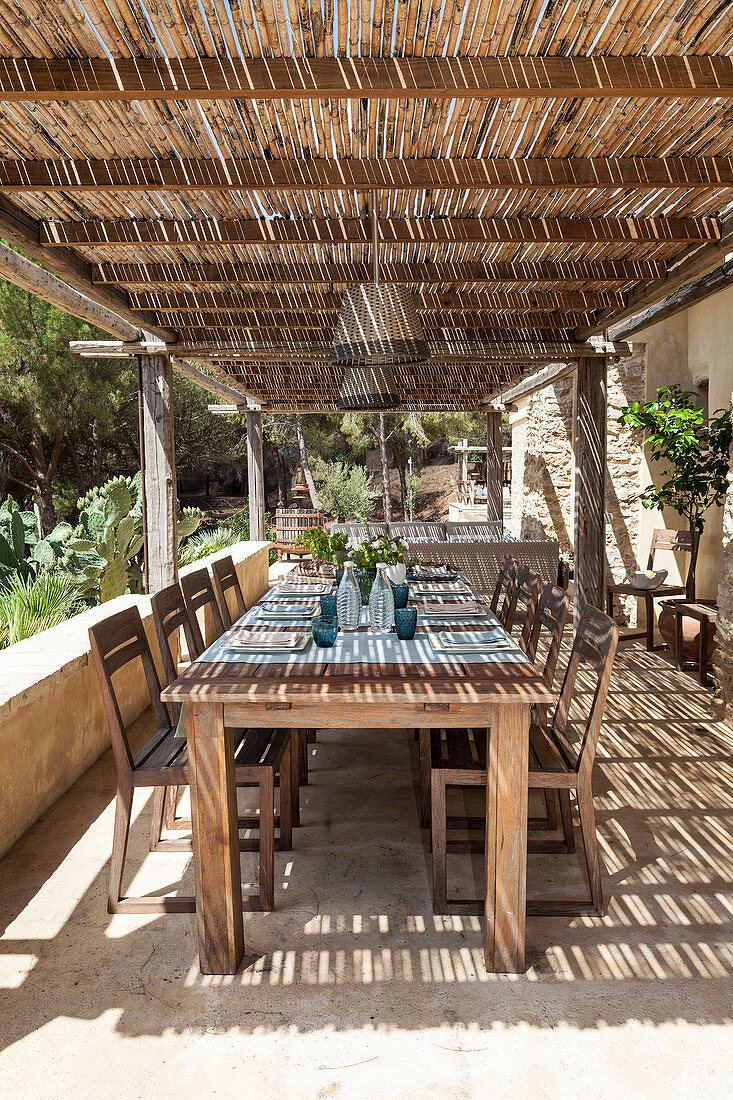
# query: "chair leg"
[[158, 815], [437, 832], [286, 798], [566, 820], [170, 808], [590, 845], [123, 811], [553, 819], [303, 756], [297, 742], [424, 738], [267, 838]]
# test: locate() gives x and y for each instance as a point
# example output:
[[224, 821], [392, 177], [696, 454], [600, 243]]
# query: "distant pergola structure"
[[194, 180]]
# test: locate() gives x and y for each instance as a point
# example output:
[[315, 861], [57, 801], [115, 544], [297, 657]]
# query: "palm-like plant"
[[206, 542], [29, 605]]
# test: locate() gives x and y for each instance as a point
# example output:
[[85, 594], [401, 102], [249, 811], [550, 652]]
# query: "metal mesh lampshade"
[[378, 326]]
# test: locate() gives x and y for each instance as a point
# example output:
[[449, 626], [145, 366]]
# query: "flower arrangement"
[[369, 553]]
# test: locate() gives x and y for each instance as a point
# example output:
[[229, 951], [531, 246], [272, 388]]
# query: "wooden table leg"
[[506, 838], [215, 839]]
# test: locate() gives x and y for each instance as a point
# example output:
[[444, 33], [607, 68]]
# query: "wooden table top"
[[223, 682]]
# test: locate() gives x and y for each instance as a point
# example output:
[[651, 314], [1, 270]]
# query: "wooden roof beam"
[[279, 231], [22, 231], [234, 274], [295, 299], [695, 262], [210, 174], [285, 78]]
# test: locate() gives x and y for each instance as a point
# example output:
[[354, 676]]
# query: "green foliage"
[[692, 448], [31, 604], [207, 542], [345, 492], [325, 547]]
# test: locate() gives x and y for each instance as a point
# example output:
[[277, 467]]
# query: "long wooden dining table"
[[372, 689]]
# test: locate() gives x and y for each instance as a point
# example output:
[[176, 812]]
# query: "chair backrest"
[[504, 587], [480, 561], [525, 593], [292, 523], [376, 529], [225, 579], [423, 531], [594, 648], [677, 542], [117, 642], [551, 615], [170, 614], [197, 593], [481, 531]]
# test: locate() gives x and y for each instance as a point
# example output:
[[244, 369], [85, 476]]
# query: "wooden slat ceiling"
[[537, 167]]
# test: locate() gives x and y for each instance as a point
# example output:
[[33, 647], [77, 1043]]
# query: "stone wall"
[[543, 479]]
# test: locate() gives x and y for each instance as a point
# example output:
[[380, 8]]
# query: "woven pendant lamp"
[[378, 327]]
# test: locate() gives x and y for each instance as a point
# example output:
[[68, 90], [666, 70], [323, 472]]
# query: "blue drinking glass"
[[324, 631], [401, 594], [405, 621], [328, 608]]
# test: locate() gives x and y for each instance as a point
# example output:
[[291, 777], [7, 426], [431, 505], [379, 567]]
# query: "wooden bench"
[[290, 526]]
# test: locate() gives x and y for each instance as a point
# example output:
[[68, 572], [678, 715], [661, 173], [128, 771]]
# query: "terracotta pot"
[[690, 634]]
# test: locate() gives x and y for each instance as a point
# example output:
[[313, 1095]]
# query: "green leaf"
[[7, 557], [17, 530], [117, 504], [43, 553], [125, 533], [113, 581]]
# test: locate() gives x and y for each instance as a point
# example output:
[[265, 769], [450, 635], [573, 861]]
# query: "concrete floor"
[[351, 987]]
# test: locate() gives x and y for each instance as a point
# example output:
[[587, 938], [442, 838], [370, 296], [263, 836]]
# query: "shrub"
[[346, 492], [31, 604], [207, 542]]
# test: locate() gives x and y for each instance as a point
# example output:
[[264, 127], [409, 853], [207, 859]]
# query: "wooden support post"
[[255, 477], [494, 469], [159, 471], [590, 485]]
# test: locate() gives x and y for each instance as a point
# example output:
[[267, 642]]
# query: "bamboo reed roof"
[[539, 166]]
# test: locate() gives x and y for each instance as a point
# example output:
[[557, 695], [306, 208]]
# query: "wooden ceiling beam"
[[316, 321], [285, 78], [233, 274], [209, 174], [279, 231], [298, 300]]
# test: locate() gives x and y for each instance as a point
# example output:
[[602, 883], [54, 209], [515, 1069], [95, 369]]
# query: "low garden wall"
[[52, 724]]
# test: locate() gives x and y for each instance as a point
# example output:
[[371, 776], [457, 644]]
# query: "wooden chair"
[[525, 593], [556, 763], [197, 593], [116, 643], [503, 589], [676, 542], [225, 579], [170, 615]]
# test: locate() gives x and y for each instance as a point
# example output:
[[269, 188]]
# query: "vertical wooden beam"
[[159, 471], [255, 477], [590, 484], [494, 469]]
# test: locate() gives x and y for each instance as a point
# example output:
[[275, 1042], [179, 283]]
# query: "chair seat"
[[661, 590], [164, 759]]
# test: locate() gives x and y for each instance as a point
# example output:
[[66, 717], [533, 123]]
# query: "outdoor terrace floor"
[[351, 987]]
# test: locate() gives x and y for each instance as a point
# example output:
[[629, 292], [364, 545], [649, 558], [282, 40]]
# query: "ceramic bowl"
[[646, 582]]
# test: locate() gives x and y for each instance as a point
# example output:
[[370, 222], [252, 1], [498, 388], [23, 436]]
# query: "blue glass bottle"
[[348, 599], [381, 602]]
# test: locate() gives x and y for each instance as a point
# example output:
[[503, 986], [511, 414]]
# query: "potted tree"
[[693, 451]]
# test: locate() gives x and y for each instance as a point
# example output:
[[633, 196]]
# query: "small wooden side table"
[[704, 612]]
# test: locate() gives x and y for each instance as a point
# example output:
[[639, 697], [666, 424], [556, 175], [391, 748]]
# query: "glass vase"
[[348, 599], [381, 603]]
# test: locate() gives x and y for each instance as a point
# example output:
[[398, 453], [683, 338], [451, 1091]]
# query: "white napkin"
[[260, 639], [471, 641]]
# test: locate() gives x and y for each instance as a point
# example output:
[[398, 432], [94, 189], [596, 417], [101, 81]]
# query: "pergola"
[[195, 178]]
